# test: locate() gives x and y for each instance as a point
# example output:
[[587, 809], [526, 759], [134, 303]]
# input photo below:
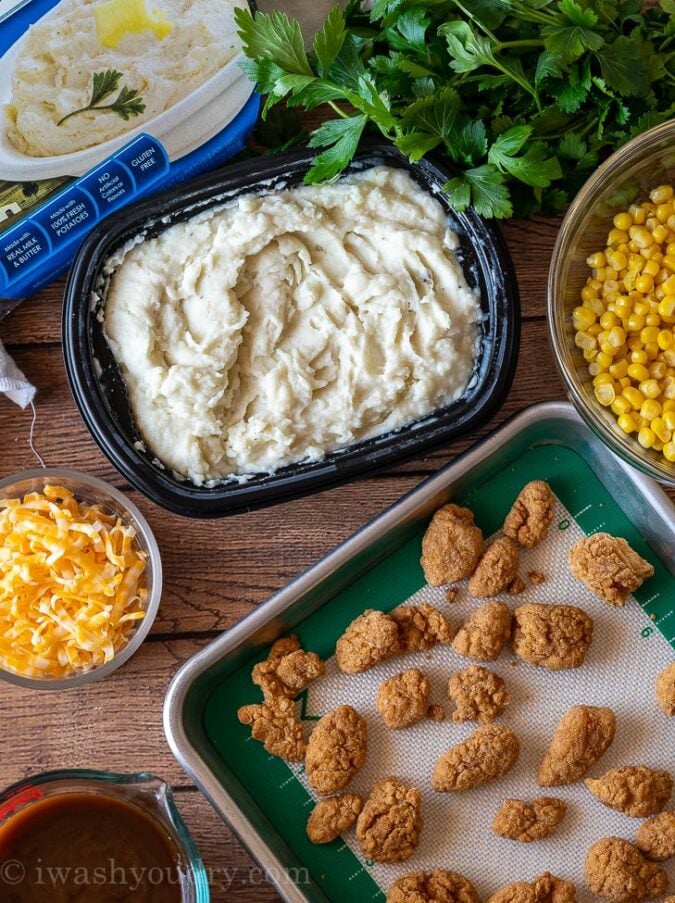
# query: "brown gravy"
[[84, 848]]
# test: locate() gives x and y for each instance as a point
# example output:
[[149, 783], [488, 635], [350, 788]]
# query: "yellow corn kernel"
[[669, 262], [646, 437], [649, 334], [638, 234], [638, 356], [641, 307], [650, 388], [653, 320], [668, 419], [644, 283], [638, 372], [663, 434], [652, 350], [619, 369], [623, 221], [605, 394], [594, 330], [618, 261], [590, 355], [650, 409], [657, 370], [669, 405], [604, 360], [651, 268], [621, 406], [669, 451], [588, 293], [602, 379], [627, 423], [583, 318], [608, 319], [635, 322], [660, 233], [661, 194], [634, 397], [624, 381], [637, 213], [597, 261], [617, 337], [617, 237], [665, 339], [667, 306], [584, 341], [595, 305]]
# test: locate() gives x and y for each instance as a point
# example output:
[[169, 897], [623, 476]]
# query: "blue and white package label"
[[65, 218]]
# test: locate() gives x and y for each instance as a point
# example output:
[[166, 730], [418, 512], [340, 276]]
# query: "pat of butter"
[[117, 18]]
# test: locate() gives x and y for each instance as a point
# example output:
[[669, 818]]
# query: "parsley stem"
[[337, 109], [109, 106], [531, 42]]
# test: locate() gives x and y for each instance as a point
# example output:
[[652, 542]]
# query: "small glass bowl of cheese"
[[80, 579]]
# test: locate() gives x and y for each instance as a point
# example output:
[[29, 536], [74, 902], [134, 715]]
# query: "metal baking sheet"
[[546, 441]]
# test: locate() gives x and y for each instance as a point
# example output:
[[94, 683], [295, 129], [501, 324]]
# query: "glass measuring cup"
[[144, 794]]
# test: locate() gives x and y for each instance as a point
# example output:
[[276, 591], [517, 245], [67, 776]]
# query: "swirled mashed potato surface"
[[282, 326], [54, 70]]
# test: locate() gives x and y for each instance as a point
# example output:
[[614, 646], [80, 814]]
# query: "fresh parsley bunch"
[[523, 96]]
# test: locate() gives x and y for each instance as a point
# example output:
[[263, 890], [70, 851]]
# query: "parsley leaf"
[[128, 102], [341, 137], [329, 39], [484, 188]]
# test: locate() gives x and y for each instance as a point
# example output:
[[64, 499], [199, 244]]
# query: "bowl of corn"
[[80, 579], [611, 302]]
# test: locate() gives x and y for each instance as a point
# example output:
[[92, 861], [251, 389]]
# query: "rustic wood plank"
[[113, 724]]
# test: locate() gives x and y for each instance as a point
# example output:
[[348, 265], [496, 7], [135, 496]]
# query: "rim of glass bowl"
[[149, 543], [628, 159]]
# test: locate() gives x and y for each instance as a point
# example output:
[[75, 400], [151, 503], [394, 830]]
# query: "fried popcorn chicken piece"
[[609, 567], [451, 546], [516, 586], [370, 639], [583, 735], [635, 790], [528, 520], [336, 750], [487, 754], [478, 694], [483, 635], [277, 726], [656, 837], [665, 690], [421, 627], [551, 636], [525, 822], [332, 817], [497, 568], [436, 713], [617, 871], [403, 699], [437, 886], [287, 673], [388, 828], [544, 889]]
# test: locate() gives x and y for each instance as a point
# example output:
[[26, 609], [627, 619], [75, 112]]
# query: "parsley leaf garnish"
[[128, 102]]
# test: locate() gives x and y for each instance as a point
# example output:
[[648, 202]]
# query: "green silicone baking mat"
[[584, 506]]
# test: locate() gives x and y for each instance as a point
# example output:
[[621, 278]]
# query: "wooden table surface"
[[215, 572]]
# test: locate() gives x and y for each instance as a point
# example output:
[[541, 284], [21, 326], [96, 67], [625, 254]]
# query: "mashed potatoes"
[[282, 326], [54, 71]]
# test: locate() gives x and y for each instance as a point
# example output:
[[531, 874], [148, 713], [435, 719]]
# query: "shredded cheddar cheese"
[[72, 584]]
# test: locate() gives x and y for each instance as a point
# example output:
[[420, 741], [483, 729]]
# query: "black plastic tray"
[[101, 396]]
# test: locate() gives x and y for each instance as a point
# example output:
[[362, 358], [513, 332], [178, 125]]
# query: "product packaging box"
[[103, 102]]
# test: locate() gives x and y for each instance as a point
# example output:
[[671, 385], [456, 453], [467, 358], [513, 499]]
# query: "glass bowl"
[[628, 175], [93, 491], [145, 791]]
